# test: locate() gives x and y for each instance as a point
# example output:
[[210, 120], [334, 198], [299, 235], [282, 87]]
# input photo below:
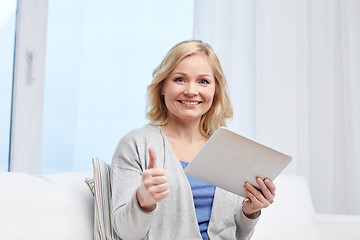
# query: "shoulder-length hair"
[[220, 109]]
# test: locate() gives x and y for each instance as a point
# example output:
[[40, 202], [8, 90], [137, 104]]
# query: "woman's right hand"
[[154, 186]]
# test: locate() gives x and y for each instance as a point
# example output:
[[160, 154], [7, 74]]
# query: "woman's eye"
[[204, 81], [179, 80]]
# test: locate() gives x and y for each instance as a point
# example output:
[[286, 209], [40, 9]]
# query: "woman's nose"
[[191, 89]]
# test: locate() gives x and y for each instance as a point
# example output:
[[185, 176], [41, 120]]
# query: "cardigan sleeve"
[[245, 226], [129, 161]]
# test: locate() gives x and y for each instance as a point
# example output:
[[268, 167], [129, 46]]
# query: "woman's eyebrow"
[[184, 74], [178, 73], [206, 75]]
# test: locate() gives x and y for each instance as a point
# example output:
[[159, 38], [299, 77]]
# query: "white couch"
[[61, 206]]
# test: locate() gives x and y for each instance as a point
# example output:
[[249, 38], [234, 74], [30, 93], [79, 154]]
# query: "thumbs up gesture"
[[154, 186]]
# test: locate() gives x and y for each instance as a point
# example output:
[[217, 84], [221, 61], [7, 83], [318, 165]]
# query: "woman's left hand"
[[258, 199]]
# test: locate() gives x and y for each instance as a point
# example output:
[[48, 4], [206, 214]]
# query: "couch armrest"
[[332, 226], [291, 216], [55, 206]]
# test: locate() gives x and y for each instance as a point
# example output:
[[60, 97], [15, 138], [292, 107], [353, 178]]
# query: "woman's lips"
[[189, 103]]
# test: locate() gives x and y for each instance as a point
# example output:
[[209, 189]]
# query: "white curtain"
[[293, 70]]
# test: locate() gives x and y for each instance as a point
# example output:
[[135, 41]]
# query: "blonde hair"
[[221, 107]]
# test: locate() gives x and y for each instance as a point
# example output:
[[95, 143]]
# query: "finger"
[[154, 172], [161, 188], [253, 201], [255, 192], [157, 180], [159, 192], [270, 185], [152, 163], [162, 195], [251, 196], [152, 182], [266, 192]]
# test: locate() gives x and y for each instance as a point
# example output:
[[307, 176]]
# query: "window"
[[7, 39], [99, 61]]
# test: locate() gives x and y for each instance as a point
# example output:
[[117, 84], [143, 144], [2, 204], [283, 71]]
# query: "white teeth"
[[189, 103]]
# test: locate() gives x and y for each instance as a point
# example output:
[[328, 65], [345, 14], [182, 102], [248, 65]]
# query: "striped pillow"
[[103, 229]]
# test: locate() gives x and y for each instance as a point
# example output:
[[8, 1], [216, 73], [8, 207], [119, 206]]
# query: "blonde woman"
[[152, 198]]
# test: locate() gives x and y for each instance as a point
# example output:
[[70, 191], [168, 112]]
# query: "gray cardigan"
[[174, 217]]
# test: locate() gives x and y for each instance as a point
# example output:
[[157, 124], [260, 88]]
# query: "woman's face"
[[190, 88]]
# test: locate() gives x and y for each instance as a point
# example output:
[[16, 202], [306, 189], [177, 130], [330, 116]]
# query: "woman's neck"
[[185, 130], [185, 138]]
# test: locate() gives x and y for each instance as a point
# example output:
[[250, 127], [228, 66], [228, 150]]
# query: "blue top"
[[203, 194]]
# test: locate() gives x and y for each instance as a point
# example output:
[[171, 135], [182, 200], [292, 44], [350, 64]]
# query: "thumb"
[[152, 163]]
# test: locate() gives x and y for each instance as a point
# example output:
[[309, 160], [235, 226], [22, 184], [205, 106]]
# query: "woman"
[[152, 198]]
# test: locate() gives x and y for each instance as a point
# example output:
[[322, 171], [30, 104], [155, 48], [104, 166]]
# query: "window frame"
[[28, 86]]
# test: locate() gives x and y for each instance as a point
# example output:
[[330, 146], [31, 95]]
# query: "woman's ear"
[[162, 87]]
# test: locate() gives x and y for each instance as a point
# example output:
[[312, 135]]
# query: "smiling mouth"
[[190, 103]]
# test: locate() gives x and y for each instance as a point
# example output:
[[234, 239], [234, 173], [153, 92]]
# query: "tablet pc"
[[228, 160]]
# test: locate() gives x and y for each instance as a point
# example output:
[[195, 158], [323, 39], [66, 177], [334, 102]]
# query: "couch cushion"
[[56, 207], [291, 216], [102, 192]]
